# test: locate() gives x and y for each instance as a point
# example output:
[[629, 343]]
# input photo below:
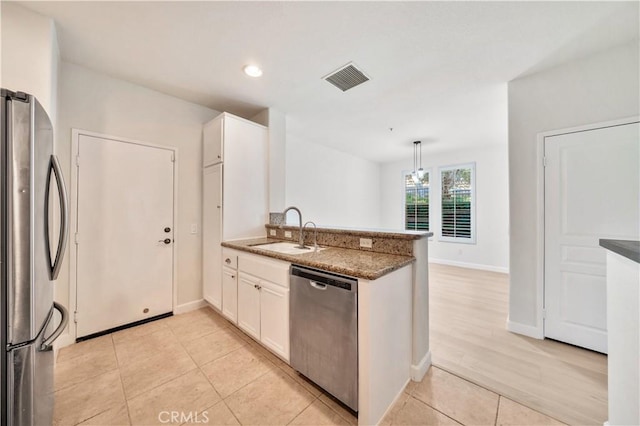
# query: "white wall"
[[330, 187], [491, 250], [98, 103], [30, 55], [599, 88], [276, 122]]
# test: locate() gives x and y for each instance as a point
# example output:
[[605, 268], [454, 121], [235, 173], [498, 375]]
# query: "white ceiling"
[[438, 69]]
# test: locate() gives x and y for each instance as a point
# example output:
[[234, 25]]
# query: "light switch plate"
[[287, 234], [366, 242], [272, 232]]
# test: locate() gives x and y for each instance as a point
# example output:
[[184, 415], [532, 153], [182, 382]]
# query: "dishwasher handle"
[[317, 285]]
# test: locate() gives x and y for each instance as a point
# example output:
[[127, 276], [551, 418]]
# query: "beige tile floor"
[[202, 366]]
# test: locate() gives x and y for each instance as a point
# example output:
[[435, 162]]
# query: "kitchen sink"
[[285, 248]]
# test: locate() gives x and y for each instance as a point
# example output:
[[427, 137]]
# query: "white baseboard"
[[418, 371], [189, 306], [525, 330], [390, 407], [479, 266]]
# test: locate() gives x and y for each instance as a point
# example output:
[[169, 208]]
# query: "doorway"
[[592, 191], [124, 215]]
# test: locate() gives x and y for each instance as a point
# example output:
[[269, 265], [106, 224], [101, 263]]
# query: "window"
[[416, 206], [458, 202]]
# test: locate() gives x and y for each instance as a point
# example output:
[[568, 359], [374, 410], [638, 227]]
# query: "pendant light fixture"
[[418, 171]]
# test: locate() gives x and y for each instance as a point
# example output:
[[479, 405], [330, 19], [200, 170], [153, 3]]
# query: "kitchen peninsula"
[[392, 272], [623, 330]]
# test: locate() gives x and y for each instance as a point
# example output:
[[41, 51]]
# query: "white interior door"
[[591, 192], [125, 233]]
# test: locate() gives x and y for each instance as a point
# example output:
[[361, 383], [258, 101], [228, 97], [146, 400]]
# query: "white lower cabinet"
[[249, 305], [230, 294], [274, 318], [263, 305]]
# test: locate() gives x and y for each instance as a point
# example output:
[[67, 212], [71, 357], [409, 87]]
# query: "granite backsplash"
[[382, 242]]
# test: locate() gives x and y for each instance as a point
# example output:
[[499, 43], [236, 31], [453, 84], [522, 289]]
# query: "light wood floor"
[[468, 337]]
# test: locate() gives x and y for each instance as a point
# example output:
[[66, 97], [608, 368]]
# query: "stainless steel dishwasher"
[[324, 331]]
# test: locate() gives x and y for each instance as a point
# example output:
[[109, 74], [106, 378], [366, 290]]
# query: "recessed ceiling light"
[[252, 71]]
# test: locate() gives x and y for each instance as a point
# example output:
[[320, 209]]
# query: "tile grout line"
[[446, 370], [234, 328], [105, 372], [126, 401], [495, 422], [435, 409], [339, 415]]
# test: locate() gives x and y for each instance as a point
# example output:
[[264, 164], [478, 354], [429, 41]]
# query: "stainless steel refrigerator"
[[30, 259]]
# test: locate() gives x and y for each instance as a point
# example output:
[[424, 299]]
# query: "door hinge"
[[75, 317], [173, 157], [544, 161], [544, 314], [77, 161], [76, 238]]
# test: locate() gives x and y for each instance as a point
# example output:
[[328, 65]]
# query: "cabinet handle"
[[218, 156], [227, 261], [233, 276]]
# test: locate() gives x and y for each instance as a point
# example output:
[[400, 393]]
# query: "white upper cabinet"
[[246, 178], [212, 135]]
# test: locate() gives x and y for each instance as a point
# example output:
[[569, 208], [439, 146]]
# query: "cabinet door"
[[212, 136], [230, 294], [246, 179], [211, 235], [249, 305], [274, 318]]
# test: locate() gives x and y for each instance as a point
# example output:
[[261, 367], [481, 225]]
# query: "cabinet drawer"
[[267, 269], [229, 258]]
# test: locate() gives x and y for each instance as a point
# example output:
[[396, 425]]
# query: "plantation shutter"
[[457, 202], [416, 203]]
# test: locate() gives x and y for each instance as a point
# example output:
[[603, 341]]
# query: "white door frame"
[[538, 331], [73, 218]]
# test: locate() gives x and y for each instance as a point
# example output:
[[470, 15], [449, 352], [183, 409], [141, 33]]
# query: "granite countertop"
[[627, 248], [355, 263]]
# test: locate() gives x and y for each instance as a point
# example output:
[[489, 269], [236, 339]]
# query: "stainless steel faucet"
[[315, 234], [300, 236]]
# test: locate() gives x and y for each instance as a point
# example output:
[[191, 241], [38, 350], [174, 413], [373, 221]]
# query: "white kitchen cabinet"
[[211, 235], [263, 301], [230, 294], [249, 304], [274, 318], [230, 284], [212, 135], [234, 204]]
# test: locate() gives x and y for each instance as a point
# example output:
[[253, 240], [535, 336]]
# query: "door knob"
[[166, 241]]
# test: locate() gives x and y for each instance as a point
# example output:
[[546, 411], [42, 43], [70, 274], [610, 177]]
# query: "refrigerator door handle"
[[54, 168], [47, 343]]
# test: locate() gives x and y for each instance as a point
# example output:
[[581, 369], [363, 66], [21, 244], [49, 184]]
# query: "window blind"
[[457, 202], [416, 203]]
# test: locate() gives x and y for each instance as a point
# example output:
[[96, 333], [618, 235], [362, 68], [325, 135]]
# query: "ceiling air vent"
[[347, 77]]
